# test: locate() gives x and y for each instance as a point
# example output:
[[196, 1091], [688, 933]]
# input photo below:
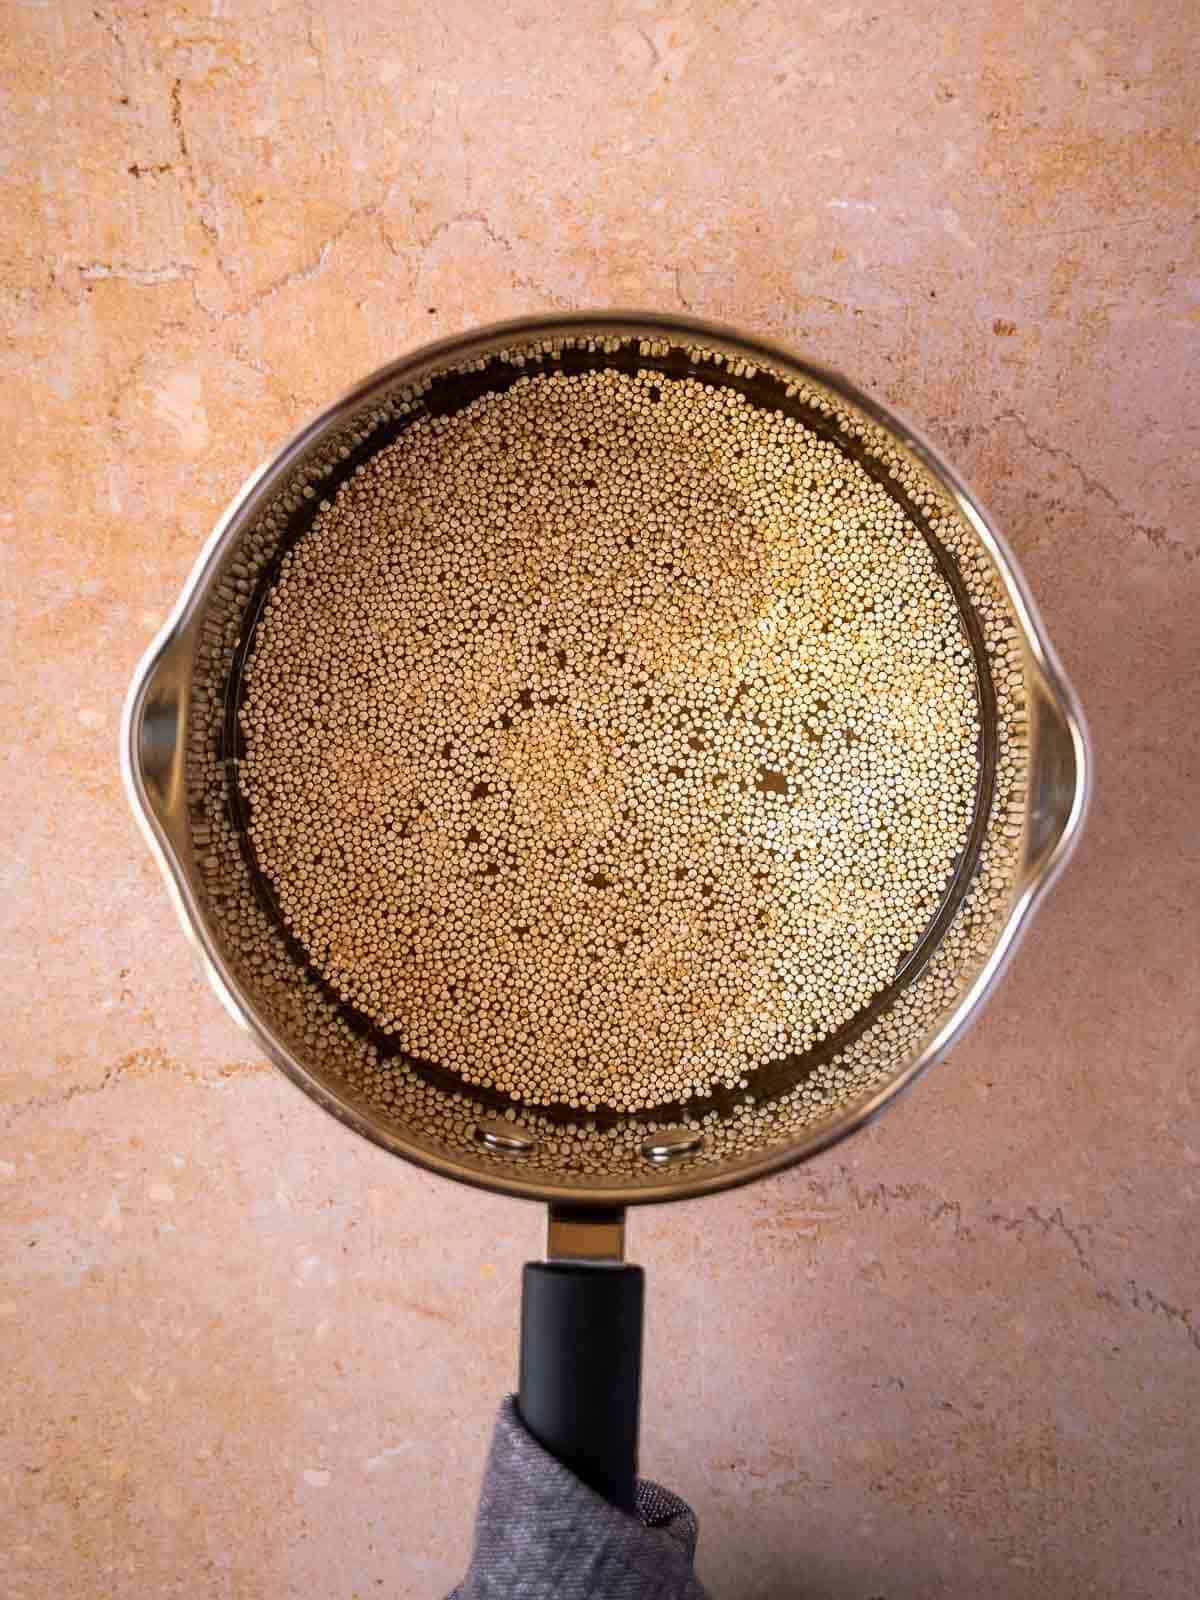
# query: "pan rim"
[[172, 646]]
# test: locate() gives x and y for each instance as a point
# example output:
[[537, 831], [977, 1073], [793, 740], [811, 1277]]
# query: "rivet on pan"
[[669, 1146], [505, 1138]]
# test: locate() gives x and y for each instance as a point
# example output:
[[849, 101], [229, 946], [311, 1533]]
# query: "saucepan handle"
[[581, 1367], [1060, 775], [154, 735]]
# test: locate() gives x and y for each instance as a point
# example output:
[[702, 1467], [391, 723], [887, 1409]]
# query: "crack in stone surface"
[[177, 118], [1056, 1222], [1154, 533], [480, 219], [169, 272], [139, 1063], [74, 1091], [1183, 1316], [317, 264], [457, 219], [656, 57], [1048, 1224], [209, 225]]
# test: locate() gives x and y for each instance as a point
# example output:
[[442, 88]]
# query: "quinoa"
[[608, 739]]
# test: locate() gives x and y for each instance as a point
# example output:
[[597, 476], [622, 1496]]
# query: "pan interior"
[[361, 1063]]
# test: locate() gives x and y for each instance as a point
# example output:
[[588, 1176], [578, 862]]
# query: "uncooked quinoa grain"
[[609, 739]]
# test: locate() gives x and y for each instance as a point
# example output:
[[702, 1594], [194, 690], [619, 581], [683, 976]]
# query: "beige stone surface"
[[244, 1354]]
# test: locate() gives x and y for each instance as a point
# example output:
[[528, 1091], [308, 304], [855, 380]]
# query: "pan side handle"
[[1060, 776], [154, 733]]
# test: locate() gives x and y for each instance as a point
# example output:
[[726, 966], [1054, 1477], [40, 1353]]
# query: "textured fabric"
[[542, 1535]]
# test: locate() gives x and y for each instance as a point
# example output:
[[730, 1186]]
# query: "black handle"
[[581, 1370]]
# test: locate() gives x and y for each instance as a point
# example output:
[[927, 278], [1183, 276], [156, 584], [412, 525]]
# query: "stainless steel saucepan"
[[581, 1333]]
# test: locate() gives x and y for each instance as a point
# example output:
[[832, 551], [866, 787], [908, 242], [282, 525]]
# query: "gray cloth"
[[541, 1534]]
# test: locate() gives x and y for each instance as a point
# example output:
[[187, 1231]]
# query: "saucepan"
[[582, 1307]]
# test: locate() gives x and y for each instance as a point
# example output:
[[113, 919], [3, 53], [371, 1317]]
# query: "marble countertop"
[[246, 1355]]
